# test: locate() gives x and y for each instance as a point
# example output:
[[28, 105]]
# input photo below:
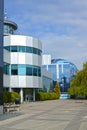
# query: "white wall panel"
[[36, 82], [21, 58], [35, 60], [7, 40], [35, 42], [29, 82], [39, 60], [29, 41], [39, 45], [14, 58], [40, 82], [6, 81], [6, 56], [29, 58], [14, 81], [22, 81], [18, 40]]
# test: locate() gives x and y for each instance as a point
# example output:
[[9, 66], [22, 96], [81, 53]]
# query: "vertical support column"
[[10, 90], [1, 54], [21, 93], [33, 94]]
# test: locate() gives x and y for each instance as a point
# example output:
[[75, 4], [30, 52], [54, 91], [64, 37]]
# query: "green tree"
[[78, 87], [57, 89]]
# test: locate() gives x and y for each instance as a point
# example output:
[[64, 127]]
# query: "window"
[[14, 69], [34, 50], [52, 69], [35, 71], [29, 49], [39, 52], [7, 48], [14, 49], [39, 71], [21, 49], [6, 69], [21, 69], [29, 70]]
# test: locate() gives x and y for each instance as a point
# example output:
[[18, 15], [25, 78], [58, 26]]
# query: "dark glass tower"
[[1, 50]]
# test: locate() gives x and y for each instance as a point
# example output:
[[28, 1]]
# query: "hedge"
[[42, 96], [9, 97]]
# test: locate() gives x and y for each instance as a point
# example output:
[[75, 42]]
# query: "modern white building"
[[22, 63]]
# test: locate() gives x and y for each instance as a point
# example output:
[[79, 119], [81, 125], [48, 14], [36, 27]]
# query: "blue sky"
[[61, 25]]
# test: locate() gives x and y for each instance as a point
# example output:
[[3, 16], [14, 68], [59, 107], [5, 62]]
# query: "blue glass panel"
[[13, 48], [29, 49], [35, 51], [14, 69], [28, 70], [35, 71], [52, 69], [39, 52], [21, 69], [6, 69], [39, 71], [21, 49], [7, 48]]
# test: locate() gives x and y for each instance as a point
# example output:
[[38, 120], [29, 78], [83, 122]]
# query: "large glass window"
[[13, 48], [28, 70], [39, 71], [52, 69], [35, 71], [8, 29], [34, 50], [39, 52], [29, 49], [21, 70], [6, 69], [23, 49], [14, 69]]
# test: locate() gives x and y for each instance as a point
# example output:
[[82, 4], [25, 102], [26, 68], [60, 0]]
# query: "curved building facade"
[[22, 63], [9, 27]]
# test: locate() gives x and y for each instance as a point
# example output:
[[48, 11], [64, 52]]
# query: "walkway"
[[49, 115]]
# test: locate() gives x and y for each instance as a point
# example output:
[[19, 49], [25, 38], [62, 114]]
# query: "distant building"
[[47, 81], [46, 59], [63, 71]]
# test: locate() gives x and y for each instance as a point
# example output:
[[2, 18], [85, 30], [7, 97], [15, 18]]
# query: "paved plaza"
[[48, 115]]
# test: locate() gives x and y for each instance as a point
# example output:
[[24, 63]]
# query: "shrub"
[[15, 96], [42, 96], [6, 97], [10, 97]]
